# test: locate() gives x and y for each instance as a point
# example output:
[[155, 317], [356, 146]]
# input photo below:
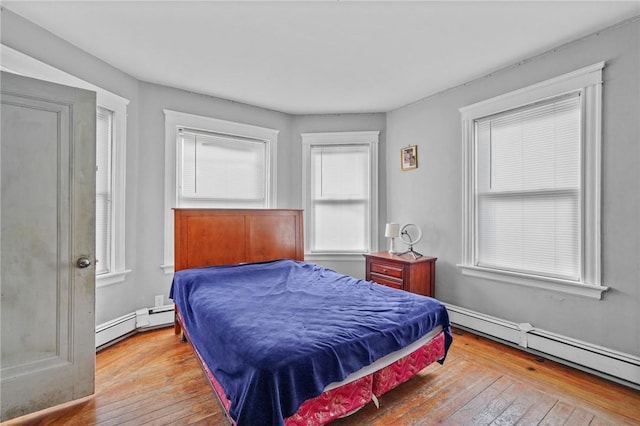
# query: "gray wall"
[[113, 300], [145, 154], [432, 194], [341, 123], [153, 100], [429, 195], [150, 221]]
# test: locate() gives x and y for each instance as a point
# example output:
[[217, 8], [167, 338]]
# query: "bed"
[[283, 341]]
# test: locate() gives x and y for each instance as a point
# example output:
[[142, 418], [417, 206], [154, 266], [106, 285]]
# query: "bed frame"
[[208, 237]]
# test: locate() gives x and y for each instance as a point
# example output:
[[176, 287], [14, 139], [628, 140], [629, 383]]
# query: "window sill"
[[168, 269], [111, 278], [553, 284]]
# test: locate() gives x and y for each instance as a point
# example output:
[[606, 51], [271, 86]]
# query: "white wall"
[[432, 194]]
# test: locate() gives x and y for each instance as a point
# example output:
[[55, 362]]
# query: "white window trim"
[[19, 63], [589, 81], [370, 138], [175, 120]]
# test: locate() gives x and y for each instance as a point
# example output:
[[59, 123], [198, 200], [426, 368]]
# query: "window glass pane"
[[104, 140], [340, 226], [220, 169]]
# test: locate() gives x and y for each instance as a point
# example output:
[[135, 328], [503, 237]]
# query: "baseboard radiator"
[[610, 364], [140, 320]]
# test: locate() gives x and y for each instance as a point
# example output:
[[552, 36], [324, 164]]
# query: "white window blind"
[[340, 198], [528, 189], [221, 170], [104, 140]]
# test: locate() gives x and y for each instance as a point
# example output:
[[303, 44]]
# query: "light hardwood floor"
[[153, 379]]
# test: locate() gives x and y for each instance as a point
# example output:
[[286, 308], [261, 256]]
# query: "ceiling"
[[319, 57]]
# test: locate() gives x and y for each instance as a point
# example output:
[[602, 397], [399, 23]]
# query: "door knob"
[[83, 262]]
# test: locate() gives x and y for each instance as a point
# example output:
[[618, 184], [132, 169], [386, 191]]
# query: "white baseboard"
[[141, 320], [614, 365]]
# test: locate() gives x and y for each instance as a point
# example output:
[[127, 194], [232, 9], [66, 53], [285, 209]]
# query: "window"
[[340, 192], [532, 192], [217, 164], [111, 125], [104, 218]]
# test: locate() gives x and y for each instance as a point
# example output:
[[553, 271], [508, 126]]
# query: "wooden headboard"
[[205, 237]]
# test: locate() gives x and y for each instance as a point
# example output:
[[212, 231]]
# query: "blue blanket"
[[277, 333]]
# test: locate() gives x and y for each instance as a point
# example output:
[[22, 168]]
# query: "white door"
[[47, 215]]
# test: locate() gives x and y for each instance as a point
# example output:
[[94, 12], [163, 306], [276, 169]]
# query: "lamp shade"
[[392, 230]]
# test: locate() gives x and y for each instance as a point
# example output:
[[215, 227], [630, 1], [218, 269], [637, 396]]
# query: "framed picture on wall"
[[409, 157]]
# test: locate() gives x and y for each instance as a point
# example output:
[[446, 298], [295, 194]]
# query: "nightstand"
[[402, 272]]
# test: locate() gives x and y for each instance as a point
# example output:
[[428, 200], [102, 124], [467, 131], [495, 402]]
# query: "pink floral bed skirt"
[[405, 368]]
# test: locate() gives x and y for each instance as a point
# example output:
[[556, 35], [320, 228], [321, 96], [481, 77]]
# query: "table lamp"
[[392, 231]]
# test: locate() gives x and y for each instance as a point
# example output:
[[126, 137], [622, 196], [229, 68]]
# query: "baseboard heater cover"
[[115, 329], [608, 363], [141, 320]]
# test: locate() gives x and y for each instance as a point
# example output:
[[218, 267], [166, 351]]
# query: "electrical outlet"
[[159, 300]]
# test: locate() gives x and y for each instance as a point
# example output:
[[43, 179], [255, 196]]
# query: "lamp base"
[[392, 245]]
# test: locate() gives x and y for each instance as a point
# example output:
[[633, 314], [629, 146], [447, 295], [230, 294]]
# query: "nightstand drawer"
[[386, 280], [391, 271]]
